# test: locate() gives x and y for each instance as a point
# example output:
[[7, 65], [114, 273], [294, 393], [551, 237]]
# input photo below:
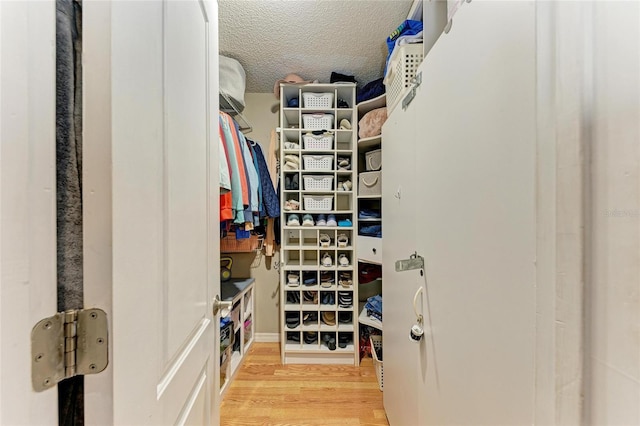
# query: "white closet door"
[[400, 191], [476, 128], [162, 64]]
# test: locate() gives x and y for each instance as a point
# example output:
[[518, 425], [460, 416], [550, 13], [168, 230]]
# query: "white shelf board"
[[371, 104], [365, 144]]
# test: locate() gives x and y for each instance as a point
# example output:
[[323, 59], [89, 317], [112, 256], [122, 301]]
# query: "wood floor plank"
[[265, 392]]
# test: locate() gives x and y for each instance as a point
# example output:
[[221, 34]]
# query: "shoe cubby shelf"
[[236, 345], [369, 245], [318, 177]]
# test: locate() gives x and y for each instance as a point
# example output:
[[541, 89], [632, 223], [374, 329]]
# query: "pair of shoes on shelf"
[[345, 299], [330, 341], [343, 260], [345, 317], [344, 279], [343, 340], [325, 240], [345, 185], [293, 297], [309, 278], [344, 163], [291, 145], [293, 279], [292, 205], [310, 337], [294, 337], [310, 318], [322, 220], [328, 299], [292, 319], [291, 182], [327, 260], [345, 223], [327, 278], [343, 240], [310, 297]]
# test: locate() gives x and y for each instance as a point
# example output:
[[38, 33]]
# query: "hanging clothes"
[[269, 196], [239, 181]]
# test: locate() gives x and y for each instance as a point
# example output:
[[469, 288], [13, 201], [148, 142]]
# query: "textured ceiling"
[[311, 38]]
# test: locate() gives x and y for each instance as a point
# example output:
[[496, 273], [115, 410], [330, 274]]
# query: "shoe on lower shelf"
[[327, 260], [307, 220], [325, 240], [293, 220]]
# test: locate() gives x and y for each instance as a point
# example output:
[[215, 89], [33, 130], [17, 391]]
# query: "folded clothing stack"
[[368, 272], [371, 231], [369, 214], [291, 162], [374, 306]]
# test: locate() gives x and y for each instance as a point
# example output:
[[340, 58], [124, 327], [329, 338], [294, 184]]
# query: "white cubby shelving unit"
[[319, 308], [233, 350]]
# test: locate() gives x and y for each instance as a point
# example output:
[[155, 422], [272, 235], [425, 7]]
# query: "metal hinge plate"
[[68, 344]]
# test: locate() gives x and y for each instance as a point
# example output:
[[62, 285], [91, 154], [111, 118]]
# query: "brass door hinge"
[[68, 344]]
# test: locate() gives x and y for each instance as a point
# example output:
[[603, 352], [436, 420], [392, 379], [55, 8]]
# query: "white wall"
[[613, 272], [258, 113]]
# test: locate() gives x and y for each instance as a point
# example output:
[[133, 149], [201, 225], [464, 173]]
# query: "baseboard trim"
[[267, 337]]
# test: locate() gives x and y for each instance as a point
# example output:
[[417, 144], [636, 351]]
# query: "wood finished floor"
[[265, 392]]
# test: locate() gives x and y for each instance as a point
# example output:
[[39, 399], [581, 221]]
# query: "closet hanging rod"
[[229, 106]]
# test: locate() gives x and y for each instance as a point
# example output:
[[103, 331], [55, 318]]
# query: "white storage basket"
[[370, 183], [318, 202], [318, 182], [324, 141], [318, 162], [317, 121], [402, 67], [373, 160], [376, 342], [317, 100]]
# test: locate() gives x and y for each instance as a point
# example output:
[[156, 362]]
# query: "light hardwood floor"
[[265, 392]]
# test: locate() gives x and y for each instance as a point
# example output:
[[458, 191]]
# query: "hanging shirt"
[[238, 178], [269, 197], [251, 172], [225, 175]]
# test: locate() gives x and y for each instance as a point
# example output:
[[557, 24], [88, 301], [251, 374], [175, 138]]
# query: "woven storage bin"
[[370, 183], [376, 342], [318, 202], [230, 244], [318, 162], [318, 182], [373, 160], [402, 67], [317, 121], [317, 100], [323, 141]]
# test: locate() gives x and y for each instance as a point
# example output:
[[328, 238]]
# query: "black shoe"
[[310, 337], [343, 340]]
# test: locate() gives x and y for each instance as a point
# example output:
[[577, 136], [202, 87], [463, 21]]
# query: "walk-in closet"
[[319, 212]]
